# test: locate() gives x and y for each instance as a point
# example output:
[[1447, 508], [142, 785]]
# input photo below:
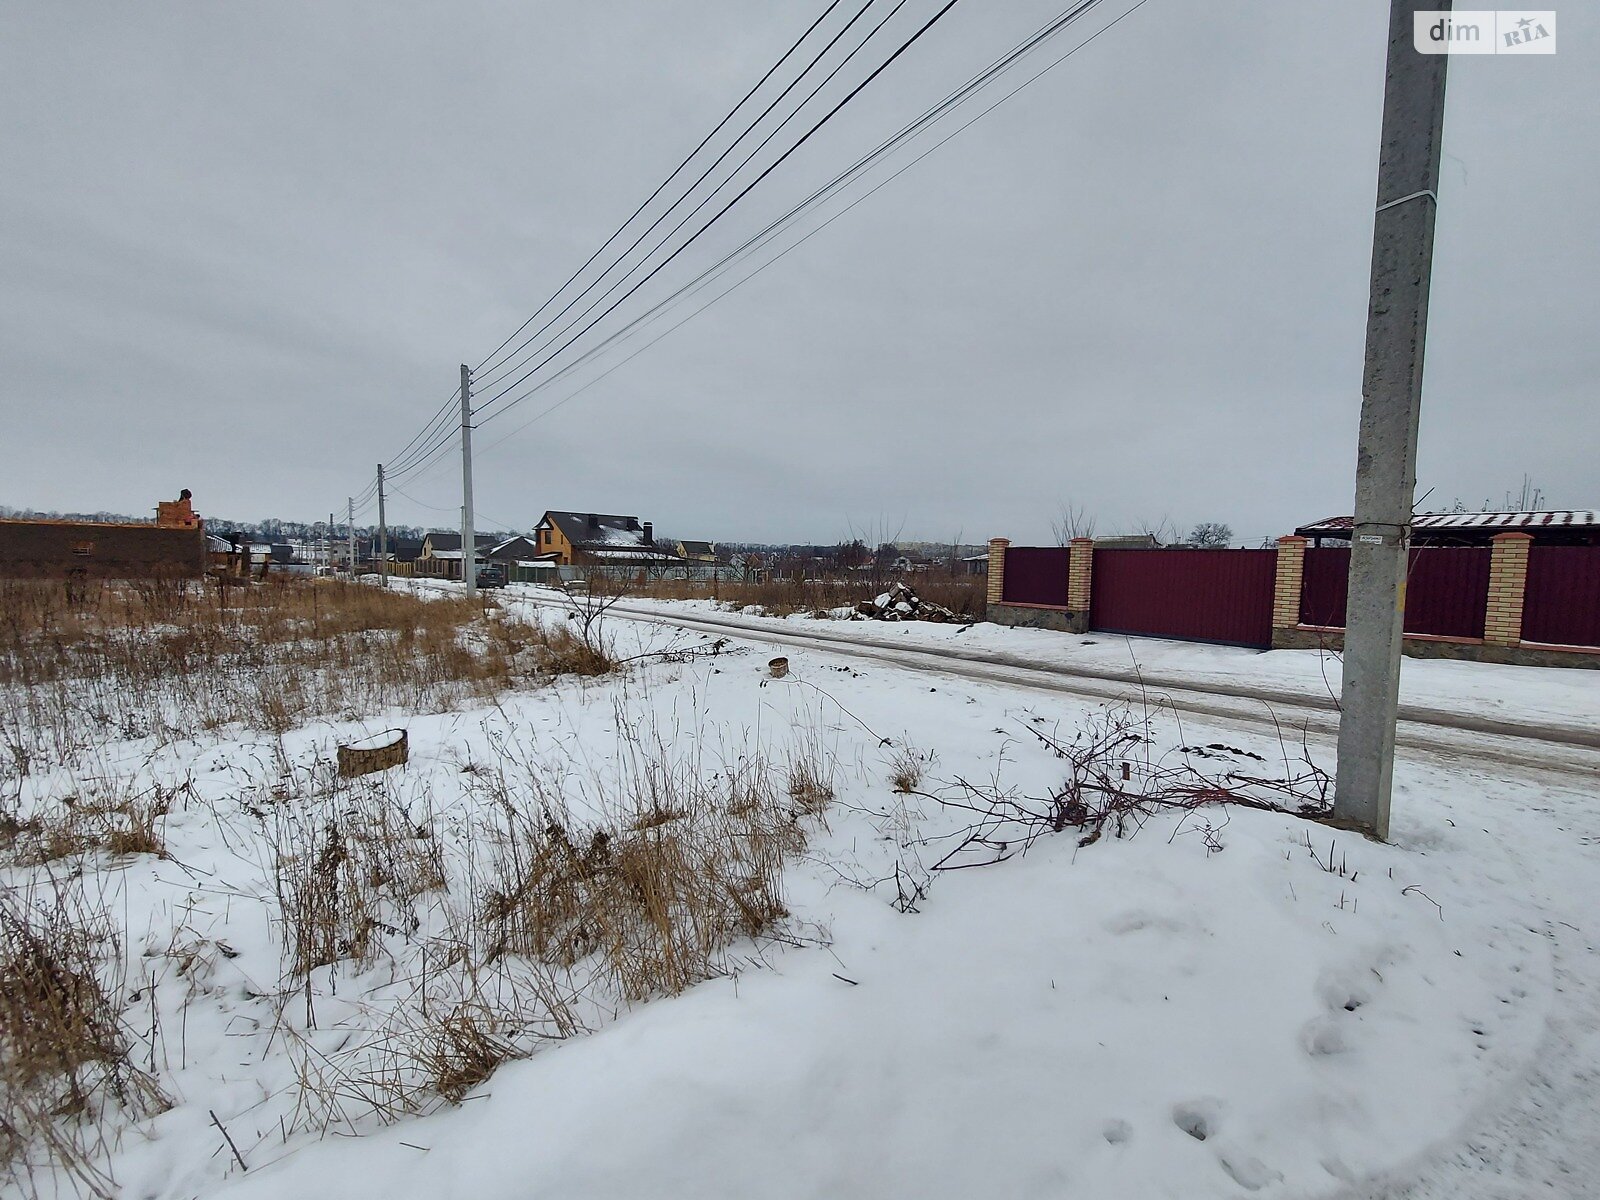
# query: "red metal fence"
[[1196, 595], [1562, 603], [1036, 575], [1447, 589]]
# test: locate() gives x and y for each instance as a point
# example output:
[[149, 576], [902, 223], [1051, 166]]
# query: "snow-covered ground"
[[1568, 698], [1229, 1003]]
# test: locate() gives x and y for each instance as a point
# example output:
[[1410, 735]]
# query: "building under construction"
[[173, 546]]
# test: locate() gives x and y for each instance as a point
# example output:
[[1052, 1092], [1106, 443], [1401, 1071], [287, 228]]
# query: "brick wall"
[[57, 549]]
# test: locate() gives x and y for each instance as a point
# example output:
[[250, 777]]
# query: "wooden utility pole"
[[1391, 403], [469, 537], [350, 532], [383, 535]]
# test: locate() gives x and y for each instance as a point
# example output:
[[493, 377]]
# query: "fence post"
[[1080, 571], [1287, 584], [1508, 578], [997, 570]]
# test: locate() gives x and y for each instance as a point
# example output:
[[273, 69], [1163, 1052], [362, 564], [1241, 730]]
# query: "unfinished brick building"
[[173, 547]]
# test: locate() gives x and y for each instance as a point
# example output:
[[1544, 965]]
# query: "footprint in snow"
[[1248, 1172], [1198, 1118], [1322, 1037]]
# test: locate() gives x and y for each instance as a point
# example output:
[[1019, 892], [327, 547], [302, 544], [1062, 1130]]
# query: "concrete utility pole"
[[350, 532], [1391, 403], [469, 537], [383, 535]]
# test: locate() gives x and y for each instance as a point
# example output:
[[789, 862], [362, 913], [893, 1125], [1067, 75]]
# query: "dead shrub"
[[810, 774], [463, 1048], [907, 767], [562, 649], [685, 863], [328, 908]]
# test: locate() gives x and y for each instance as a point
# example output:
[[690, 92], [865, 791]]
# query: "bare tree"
[[1164, 532], [1211, 535], [1072, 521]]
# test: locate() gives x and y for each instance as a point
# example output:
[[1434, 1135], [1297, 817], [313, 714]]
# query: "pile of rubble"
[[900, 603]]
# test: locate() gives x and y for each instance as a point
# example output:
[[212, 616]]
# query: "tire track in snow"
[[1455, 738]]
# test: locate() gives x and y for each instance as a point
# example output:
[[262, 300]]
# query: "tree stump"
[[379, 752]]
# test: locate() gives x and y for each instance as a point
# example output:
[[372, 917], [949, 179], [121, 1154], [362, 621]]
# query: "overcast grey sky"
[[245, 246]]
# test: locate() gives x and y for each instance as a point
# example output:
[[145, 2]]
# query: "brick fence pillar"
[[997, 570], [1508, 576], [1290, 578], [1080, 575]]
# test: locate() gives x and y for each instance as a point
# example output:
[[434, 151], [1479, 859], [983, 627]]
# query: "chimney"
[[649, 534], [594, 521]]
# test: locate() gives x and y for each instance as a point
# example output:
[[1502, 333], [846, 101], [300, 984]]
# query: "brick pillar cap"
[[999, 541], [1500, 537], [1083, 541], [1291, 537]]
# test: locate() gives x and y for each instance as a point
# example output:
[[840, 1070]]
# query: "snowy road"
[[1444, 733]]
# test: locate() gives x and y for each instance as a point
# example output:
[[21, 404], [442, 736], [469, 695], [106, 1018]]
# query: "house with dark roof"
[[579, 539], [509, 549]]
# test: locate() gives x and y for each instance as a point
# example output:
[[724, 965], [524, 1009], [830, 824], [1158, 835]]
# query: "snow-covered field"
[[1228, 1002]]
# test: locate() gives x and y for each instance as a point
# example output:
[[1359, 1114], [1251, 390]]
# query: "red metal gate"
[[1447, 589], [1194, 595]]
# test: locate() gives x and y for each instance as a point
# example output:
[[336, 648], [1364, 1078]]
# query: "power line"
[[426, 460], [426, 447], [689, 191], [942, 110], [828, 116], [441, 417], [743, 100], [915, 128], [445, 437]]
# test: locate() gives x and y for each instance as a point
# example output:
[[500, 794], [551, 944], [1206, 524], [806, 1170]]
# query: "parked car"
[[492, 577]]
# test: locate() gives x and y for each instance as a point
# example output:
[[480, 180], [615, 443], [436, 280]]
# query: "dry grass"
[[561, 649], [64, 1051], [685, 862], [349, 861], [112, 660], [907, 767], [107, 814], [496, 932]]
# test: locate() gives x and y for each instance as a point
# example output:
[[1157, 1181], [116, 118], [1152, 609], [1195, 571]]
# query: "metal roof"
[[1563, 518]]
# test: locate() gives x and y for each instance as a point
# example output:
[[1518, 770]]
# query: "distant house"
[[512, 550], [405, 550], [577, 539], [1555, 527], [697, 552], [441, 553]]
